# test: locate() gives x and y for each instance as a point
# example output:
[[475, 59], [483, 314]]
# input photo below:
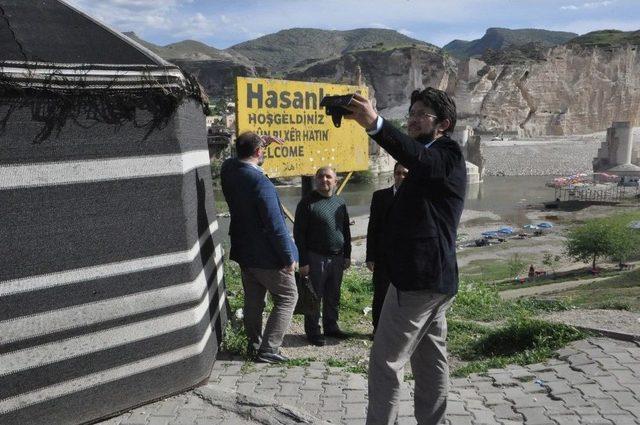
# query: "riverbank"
[[561, 155]]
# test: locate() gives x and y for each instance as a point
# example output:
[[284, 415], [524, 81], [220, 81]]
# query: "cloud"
[[588, 5], [379, 25], [406, 32]]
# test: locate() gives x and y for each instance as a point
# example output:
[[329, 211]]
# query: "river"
[[506, 196]]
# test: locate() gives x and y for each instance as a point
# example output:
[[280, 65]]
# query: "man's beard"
[[429, 135], [260, 160]]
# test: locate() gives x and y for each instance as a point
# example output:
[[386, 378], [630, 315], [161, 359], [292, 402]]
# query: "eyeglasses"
[[421, 114], [401, 173]]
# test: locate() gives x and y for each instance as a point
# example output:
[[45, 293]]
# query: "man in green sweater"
[[322, 235]]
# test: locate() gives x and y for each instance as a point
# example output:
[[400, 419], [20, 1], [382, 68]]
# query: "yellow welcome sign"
[[291, 110]]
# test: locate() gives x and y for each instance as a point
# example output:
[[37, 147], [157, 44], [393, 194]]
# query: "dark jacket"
[[380, 203], [259, 235], [420, 235]]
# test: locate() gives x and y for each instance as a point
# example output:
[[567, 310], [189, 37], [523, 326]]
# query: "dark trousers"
[[381, 284], [325, 273]]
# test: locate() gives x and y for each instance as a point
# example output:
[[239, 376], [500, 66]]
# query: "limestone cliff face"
[[392, 74], [573, 90], [218, 77]]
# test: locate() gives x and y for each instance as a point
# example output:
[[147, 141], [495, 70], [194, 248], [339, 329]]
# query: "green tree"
[[626, 241], [609, 237], [590, 241]]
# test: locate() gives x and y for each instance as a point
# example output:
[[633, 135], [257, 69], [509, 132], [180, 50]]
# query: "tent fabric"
[[111, 285], [52, 31]]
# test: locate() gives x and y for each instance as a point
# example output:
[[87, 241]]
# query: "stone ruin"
[[471, 148], [619, 154]]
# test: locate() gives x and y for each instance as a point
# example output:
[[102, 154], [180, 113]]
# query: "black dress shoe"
[[338, 334], [264, 357], [317, 340]]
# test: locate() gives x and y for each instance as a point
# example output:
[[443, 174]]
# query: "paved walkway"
[[594, 381]]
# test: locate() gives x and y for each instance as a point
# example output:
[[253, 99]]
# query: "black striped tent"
[[111, 286]]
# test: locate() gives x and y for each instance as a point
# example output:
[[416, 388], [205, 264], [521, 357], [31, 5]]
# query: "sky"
[[224, 23]]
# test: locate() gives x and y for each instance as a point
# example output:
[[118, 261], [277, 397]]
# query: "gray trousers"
[[325, 273], [412, 327], [282, 287]]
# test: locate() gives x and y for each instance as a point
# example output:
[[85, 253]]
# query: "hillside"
[[191, 50], [606, 38], [283, 50], [501, 38]]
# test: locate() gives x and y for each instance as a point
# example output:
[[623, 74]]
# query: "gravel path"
[[547, 289]]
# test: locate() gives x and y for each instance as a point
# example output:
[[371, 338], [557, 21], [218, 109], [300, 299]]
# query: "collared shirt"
[[256, 166], [376, 130]]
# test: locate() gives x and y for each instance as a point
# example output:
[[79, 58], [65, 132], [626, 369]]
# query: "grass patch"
[[233, 283], [581, 274], [361, 367], [333, 362], [495, 270], [621, 292], [488, 332], [481, 302], [352, 365], [356, 294], [520, 341], [234, 341], [302, 361]]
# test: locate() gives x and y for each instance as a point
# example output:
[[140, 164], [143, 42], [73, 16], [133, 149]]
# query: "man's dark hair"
[[441, 103], [247, 143]]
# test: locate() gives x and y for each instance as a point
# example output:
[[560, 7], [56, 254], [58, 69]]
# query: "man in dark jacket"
[[380, 204], [420, 237], [322, 234], [261, 245]]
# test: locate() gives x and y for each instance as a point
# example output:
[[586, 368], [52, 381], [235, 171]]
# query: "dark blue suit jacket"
[[259, 235], [421, 226]]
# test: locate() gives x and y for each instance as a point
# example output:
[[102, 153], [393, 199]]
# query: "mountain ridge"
[[500, 38]]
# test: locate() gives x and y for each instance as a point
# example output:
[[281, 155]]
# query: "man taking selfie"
[[420, 241]]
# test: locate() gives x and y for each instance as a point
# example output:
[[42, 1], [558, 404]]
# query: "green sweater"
[[322, 226]]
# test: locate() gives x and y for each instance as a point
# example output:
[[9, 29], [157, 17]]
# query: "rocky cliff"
[[573, 89], [391, 73], [523, 89]]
